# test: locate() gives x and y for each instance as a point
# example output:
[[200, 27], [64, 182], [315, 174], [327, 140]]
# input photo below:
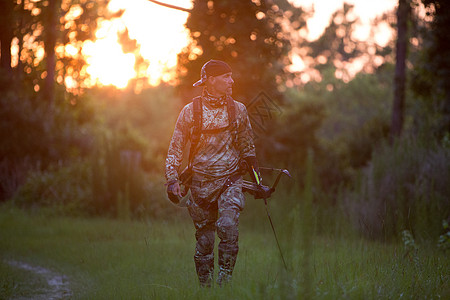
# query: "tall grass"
[[405, 187], [120, 259]]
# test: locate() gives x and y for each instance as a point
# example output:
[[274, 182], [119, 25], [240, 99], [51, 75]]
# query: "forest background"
[[378, 139]]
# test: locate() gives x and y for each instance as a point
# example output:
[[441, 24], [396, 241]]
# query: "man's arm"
[[246, 145], [177, 145], [245, 134]]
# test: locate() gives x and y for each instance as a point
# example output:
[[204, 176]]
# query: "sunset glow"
[[107, 64], [323, 9], [161, 35]]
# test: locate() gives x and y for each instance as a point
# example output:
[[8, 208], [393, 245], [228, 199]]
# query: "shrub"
[[61, 188], [35, 135], [112, 186], [404, 188], [120, 187]]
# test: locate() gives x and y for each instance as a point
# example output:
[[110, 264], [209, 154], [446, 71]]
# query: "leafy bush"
[[111, 185], [118, 184], [35, 135], [404, 188], [444, 239], [101, 153], [61, 188], [147, 119]]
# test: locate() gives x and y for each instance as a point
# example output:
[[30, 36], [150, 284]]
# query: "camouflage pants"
[[213, 208]]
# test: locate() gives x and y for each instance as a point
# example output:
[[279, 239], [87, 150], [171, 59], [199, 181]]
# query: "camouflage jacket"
[[217, 155]]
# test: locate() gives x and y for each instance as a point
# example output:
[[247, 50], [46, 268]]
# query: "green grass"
[[110, 259]]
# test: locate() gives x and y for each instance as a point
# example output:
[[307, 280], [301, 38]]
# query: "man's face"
[[222, 84]]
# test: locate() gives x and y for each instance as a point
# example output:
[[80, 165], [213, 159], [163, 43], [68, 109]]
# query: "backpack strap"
[[232, 123], [197, 124], [197, 127]]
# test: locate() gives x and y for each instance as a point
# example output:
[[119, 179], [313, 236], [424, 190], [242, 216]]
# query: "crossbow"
[[260, 191]]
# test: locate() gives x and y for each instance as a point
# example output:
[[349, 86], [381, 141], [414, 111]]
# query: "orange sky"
[[161, 35]]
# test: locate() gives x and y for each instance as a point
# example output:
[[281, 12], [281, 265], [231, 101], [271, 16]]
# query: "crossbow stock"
[[261, 191]]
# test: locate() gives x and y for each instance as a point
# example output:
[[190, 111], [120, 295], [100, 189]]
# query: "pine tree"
[[248, 35]]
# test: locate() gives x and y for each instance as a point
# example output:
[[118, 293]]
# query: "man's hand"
[[174, 192], [263, 192], [176, 189]]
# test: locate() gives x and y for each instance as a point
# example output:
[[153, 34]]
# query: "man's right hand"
[[176, 189], [174, 192]]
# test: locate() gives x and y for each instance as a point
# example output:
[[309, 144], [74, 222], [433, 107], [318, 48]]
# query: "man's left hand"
[[263, 192]]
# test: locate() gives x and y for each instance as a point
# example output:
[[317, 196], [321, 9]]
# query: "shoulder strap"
[[232, 123], [231, 107], [197, 123], [197, 126]]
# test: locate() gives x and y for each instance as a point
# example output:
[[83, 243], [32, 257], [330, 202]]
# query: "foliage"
[[149, 116], [357, 117], [30, 28], [109, 182], [410, 246], [286, 139], [32, 136], [343, 123], [248, 35], [404, 188], [61, 188], [430, 77], [130, 150], [121, 164], [338, 48], [444, 239], [49, 36], [119, 185]]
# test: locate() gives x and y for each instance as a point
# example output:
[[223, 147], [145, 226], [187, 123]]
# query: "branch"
[[171, 6]]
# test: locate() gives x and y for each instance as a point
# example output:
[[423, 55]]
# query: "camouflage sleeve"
[[177, 144], [245, 136]]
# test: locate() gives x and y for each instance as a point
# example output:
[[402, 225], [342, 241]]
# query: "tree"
[[337, 48], [403, 14], [248, 35], [6, 36], [431, 75], [336, 43], [35, 134], [51, 18], [50, 26]]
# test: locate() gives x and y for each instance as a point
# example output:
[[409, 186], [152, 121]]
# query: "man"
[[221, 139]]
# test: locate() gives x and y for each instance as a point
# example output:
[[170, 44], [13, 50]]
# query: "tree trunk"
[[403, 12], [50, 44], [19, 68], [6, 36]]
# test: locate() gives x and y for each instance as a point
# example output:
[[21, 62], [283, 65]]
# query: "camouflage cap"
[[212, 68]]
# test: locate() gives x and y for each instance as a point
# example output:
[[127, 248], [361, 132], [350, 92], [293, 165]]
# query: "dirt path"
[[58, 285]]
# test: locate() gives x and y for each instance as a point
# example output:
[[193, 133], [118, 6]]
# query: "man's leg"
[[230, 203], [204, 222]]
